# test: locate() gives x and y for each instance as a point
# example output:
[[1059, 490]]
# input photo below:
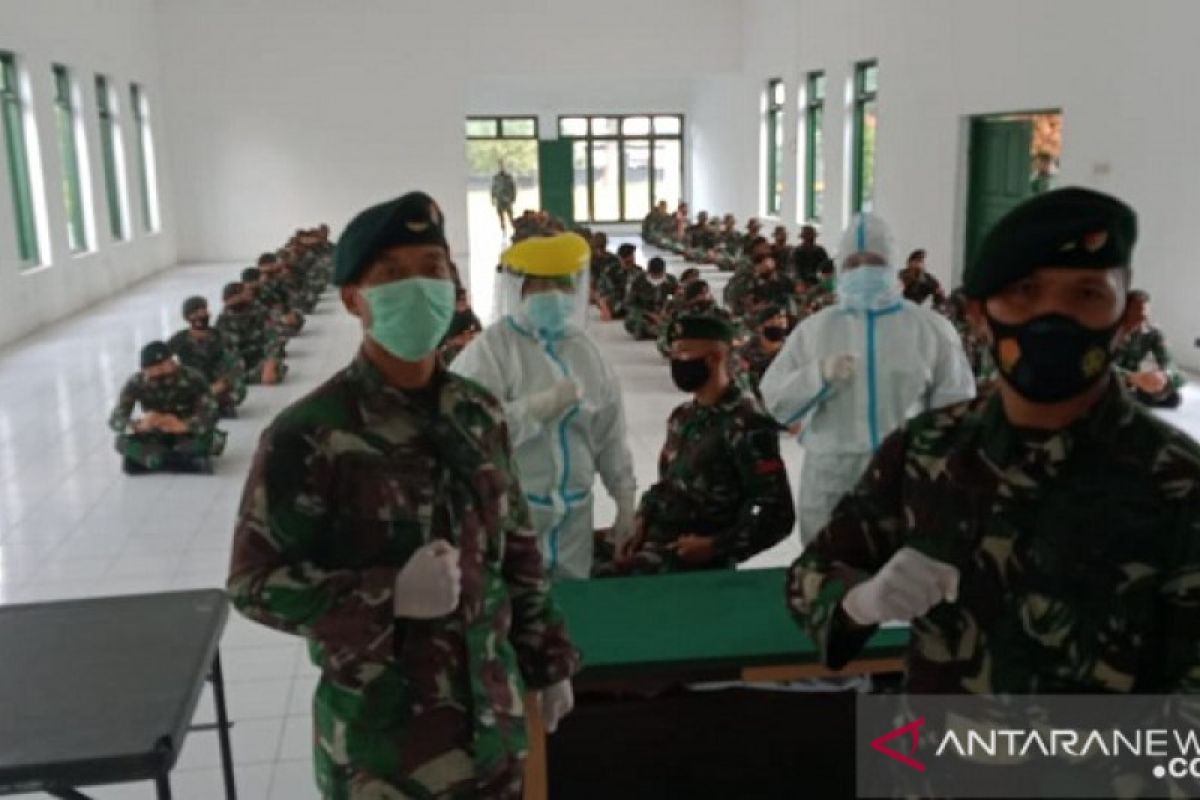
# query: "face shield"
[[868, 279], [544, 284]]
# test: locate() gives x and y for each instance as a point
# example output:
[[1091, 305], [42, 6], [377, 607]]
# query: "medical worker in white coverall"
[[856, 371], [562, 400]]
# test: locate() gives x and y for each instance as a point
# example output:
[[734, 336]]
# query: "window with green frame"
[[814, 147], [866, 124], [12, 109], [68, 151], [110, 141], [624, 163], [774, 121], [146, 170]]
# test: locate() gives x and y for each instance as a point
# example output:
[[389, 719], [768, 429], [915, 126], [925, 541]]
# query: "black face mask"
[[690, 375], [774, 333], [1051, 358], [200, 323]]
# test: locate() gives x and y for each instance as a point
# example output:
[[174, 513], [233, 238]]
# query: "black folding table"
[[103, 690]]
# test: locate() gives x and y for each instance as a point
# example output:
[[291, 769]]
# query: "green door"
[[999, 174], [556, 178]]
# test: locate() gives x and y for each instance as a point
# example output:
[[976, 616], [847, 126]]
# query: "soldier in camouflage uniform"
[[656, 225], [1143, 361], [383, 522], [769, 286], [919, 285], [257, 341], [770, 332], [811, 298], [613, 287], [178, 426], [974, 344], [722, 493], [647, 301], [504, 196], [743, 277], [1042, 539], [697, 300], [206, 350], [808, 258], [603, 262], [269, 304], [280, 292]]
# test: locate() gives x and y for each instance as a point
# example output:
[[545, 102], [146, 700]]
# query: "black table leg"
[[163, 785], [218, 681]]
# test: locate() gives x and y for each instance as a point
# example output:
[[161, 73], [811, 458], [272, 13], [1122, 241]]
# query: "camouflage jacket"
[[504, 190], [253, 334], [601, 266], [754, 359], [184, 394], [212, 355], [346, 484], [807, 262], [1144, 342], [644, 296], [773, 289], [1079, 552], [919, 286], [720, 474], [614, 285]]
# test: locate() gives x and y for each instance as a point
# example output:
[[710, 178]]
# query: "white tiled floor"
[[71, 525]]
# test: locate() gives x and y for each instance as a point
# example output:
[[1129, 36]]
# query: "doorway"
[[511, 141], [1011, 157]]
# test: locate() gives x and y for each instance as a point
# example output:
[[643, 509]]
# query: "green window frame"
[[814, 146], [524, 127], [12, 109], [141, 118], [109, 139], [866, 87], [65, 120], [630, 132], [776, 95]]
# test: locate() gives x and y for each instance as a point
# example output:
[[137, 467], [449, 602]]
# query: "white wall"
[[1118, 71], [116, 38], [304, 110]]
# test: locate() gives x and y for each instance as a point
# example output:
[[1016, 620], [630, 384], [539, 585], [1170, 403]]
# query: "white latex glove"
[[623, 527], [909, 585], [549, 403], [556, 701], [839, 369], [429, 584]]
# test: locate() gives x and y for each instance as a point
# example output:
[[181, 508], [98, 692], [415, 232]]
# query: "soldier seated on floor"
[[257, 341], [1143, 360], [206, 350], [178, 427], [647, 300], [722, 493]]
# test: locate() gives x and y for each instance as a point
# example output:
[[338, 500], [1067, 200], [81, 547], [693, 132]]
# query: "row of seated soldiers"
[[775, 285], [185, 384]]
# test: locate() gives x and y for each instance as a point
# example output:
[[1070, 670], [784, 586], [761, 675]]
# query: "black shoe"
[[131, 467]]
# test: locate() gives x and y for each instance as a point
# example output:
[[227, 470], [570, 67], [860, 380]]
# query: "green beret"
[[154, 353], [1072, 227], [695, 289], [701, 326], [412, 219], [250, 275], [761, 316]]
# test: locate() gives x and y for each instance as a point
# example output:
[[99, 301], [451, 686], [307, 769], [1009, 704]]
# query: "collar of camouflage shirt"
[[1006, 445]]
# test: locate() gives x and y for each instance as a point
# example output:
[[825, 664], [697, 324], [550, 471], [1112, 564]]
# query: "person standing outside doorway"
[[504, 196]]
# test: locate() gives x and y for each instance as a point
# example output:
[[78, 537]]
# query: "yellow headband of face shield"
[[562, 255]]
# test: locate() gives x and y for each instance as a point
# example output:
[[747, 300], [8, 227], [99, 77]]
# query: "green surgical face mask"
[[409, 317]]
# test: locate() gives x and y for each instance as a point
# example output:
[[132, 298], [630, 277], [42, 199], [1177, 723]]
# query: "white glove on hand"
[[549, 403], [908, 586], [623, 527], [839, 369], [429, 584], [556, 701]]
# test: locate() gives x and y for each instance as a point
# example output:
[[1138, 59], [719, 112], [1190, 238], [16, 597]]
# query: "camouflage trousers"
[[640, 326], [152, 450], [356, 761], [233, 396]]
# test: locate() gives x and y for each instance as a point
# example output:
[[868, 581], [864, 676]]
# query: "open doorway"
[[493, 143], [1011, 158]]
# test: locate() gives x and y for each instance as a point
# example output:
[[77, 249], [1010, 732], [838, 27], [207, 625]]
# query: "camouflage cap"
[[193, 304], [412, 219], [154, 353], [1072, 227], [701, 326]]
